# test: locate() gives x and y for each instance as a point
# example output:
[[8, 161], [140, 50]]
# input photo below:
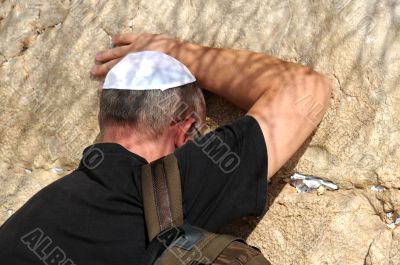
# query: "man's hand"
[[127, 43]]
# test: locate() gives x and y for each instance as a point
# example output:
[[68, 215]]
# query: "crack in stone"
[[2, 55], [109, 36], [368, 255], [368, 252], [36, 31], [341, 87], [5, 59], [27, 43]]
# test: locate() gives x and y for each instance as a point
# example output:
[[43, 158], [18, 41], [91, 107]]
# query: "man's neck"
[[149, 147]]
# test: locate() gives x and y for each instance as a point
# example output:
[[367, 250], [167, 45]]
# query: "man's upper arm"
[[287, 116], [224, 174]]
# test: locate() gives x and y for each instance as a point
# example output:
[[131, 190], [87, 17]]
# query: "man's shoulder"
[[38, 208], [68, 182], [224, 145], [49, 197]]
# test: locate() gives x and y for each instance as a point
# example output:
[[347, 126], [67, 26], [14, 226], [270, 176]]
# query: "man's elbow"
[[322, 92], [325, 88], [314, 97]]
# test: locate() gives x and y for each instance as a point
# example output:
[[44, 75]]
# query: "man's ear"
[[182, 133]]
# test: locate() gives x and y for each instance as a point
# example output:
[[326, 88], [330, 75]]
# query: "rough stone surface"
[[48, 107], [341, 227]]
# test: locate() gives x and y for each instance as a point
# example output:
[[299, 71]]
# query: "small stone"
[[321, 190], [286, 180]]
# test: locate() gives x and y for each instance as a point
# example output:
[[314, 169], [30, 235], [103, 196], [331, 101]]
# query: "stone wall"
[[48, 107]]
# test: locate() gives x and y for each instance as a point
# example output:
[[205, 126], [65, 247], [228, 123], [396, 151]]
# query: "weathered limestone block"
[[48, 106], [340, 227]]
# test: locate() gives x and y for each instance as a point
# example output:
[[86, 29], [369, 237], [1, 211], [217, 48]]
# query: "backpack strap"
[[162, 195], [205, 252]]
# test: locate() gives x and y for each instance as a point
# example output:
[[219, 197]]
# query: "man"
[[95, 215]]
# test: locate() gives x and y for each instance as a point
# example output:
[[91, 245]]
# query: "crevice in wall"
[[5, 59], [109, 36], [341, 87], [37, 30], [108, 33], [367, 255]]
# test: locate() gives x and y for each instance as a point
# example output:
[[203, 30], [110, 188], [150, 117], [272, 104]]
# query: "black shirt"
[[94, 215]]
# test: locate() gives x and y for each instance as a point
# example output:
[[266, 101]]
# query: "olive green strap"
[[175, 255], [205, 252], [162, 195], [217, 245]]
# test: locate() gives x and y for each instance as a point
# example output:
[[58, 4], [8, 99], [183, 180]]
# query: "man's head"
[[151, 104], [151, 123], [151, 112]]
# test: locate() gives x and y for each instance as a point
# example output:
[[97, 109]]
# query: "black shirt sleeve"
[[224, 174]]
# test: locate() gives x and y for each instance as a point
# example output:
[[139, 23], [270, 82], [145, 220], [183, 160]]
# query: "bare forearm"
[[239, 76]]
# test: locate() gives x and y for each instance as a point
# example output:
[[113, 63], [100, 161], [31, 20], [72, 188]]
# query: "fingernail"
[[92, 70]]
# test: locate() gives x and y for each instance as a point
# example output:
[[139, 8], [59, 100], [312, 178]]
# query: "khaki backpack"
[[173, 242]]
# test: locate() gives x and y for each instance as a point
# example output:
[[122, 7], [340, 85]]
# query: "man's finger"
[[100, 87], [102, 69], [112, 54], [123, 39], [95, 60]]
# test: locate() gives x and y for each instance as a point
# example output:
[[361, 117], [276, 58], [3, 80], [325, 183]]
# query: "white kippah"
[[148, 70]]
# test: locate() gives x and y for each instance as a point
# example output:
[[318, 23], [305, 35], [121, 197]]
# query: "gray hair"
[[152, 110]]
